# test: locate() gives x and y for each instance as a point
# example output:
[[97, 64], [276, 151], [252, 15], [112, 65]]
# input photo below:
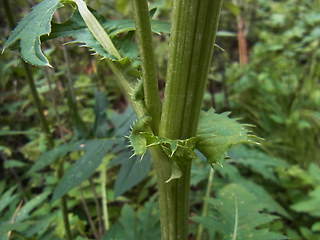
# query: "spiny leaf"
[[237, 216], [180, 151], [96, 29], [217, 133], [75, 27], [141, 139], [29, 30]]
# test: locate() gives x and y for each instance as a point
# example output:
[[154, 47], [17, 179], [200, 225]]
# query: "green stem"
[[149, 71], [173, 197], [194, 28], [191, 47], [95, 198], [103, 177], [89, 217], [126, 88], [32, 86], [205, 203], [60, 166]]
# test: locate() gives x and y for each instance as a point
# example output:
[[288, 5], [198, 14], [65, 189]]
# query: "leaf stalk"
[[149, 71]]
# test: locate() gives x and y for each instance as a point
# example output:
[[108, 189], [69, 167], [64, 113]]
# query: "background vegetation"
[[267, 75]]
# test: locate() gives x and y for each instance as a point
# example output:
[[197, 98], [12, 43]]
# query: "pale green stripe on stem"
[[149, 71]]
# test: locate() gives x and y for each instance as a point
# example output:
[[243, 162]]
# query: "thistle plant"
[[171, 130]]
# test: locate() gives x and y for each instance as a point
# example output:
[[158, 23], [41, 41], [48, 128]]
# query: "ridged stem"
[[148, 63], [194, 26]]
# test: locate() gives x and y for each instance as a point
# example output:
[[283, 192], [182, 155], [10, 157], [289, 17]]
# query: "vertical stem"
[[149, 71], [86, 209], [95, 198], [64, 206], [103, 176], [205, 203], [194, 27], [29, 76], [72, 102]]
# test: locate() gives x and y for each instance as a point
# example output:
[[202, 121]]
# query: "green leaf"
[[122, 122], [29, 206], [236, 216], [180, 151], [230, 172], [144, 224], [95, 150], [9, 132], [29, 30], [217, 133], [258, 161], [20, 226], [132, 171], [7, 198], [310, 204], [99, 128], [96, 29], [50, 156], [75, 27], [13, 164]]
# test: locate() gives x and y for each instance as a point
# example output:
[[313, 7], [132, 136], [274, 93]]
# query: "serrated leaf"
[[31, 28], [141, 139], [217, 133], [97, 30], [237, 216], [180, 151], [75, 27], [85, 166]]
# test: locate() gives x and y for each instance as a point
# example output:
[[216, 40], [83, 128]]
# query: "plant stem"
[[86, 209], [60, 165], [194, 28], [95, 198], [174, 197], [205, 203], [71, 96], [103, 177], [149, 71], [193, 32], [126, 88]]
